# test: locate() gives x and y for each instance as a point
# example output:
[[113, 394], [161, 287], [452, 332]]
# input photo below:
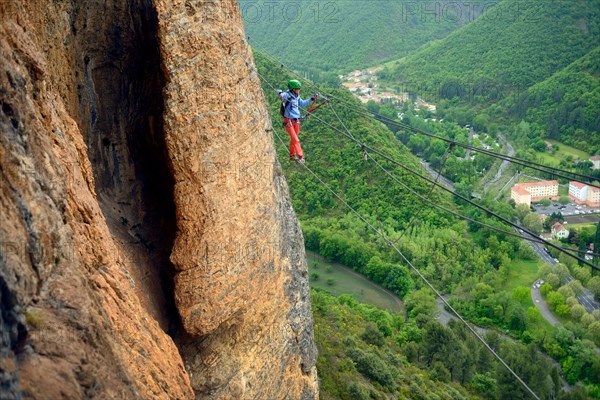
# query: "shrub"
[[358, 392], [439, 372], [373, 335], [373, 367]]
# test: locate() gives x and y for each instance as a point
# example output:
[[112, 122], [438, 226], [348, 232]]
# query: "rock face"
[[148, 246], [242, 277]]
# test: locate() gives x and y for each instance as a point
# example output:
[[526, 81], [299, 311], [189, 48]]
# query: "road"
[[445, 316], [434, 175], [539, 250], [586, 299], [536, 297], [471, 133], [503, 165]]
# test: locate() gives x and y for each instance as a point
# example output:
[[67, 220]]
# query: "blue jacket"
[[292, 111]]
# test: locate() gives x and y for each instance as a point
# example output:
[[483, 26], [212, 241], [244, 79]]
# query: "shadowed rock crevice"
[[117, 160], [121, 107]]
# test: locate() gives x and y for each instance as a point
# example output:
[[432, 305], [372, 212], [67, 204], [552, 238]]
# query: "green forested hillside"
[[347, 34], [367, 353], [456, 257], [565, 107], [436, 240], [516, 44]]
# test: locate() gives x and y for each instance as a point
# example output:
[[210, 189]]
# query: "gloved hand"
[[314, 96], [279, 91]]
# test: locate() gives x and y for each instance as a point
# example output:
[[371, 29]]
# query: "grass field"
[[522, 273], [345, 281], [579, 227], [562, 153]]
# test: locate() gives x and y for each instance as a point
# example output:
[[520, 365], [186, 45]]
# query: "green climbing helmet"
[[294, 84]]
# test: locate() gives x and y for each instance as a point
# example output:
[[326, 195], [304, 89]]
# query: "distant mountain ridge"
[[349, 34], [566, 106], [517, 43]]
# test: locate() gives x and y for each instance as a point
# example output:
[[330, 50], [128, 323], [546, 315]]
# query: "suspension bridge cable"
[[533, 236], [351, 137], [558, 172], [427, 198], [438, 294], [490, 212]]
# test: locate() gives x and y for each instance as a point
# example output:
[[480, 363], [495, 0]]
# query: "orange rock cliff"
[[148, 247]]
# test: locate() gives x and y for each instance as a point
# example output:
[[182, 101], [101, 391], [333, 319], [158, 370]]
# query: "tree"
[[577, 311], [572, 301], [562, 309], [587, 319], [564, 337], [522, 211], [533, 223], [555, 299], [373, 367], [358, 392], [533, 314], [553, 280], [564, 200], [547, 287], [481, 121], [485, 384], [521, 294], [562, 271], [421, 301], [546, 202], [576, 287], [544, 270], [597, 243], [594, 286], [566, 291], [517, 319], [437, 342], [594, 329], [582, 274], [412, 351]]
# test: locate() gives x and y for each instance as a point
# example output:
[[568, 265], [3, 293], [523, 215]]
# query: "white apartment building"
[[578, 191], [582, 193]]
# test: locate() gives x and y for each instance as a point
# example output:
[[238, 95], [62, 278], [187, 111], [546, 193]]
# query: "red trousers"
[[292, 127]]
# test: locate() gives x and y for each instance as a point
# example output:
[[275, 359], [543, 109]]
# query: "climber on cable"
[[291, 116]]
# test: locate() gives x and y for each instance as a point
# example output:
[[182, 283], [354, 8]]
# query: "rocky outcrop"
[[242, 277], [73, 309], [148, 246]]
